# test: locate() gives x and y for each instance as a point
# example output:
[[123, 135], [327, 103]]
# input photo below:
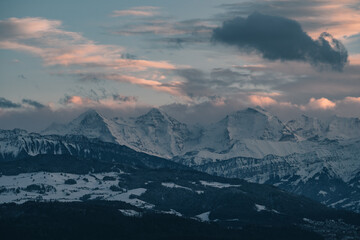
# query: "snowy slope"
[[307, 127], [90, 124], [336, 128], [19, 143], [253, 123], [251, 144], [155, 132]]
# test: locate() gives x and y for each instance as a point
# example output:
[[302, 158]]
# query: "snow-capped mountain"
[[18, 143], [253, 123], [155, 132], [335, 128], [252, 144], [90, 124], [252, 132], [307, 127]]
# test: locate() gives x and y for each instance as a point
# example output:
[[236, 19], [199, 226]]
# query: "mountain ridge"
[[252, 144]]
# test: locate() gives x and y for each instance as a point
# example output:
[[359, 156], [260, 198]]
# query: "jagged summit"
[[251, 143], [91, 112], [254, 123], [156, 111], [154, 115], [334, 128], [90, 124], [90, 117], [250, 132]]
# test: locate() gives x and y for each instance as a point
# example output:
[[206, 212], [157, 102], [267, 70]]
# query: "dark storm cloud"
[[5, 103], [278, 38], [33, 103]]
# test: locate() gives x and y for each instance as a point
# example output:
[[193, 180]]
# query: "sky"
[[197, 60]]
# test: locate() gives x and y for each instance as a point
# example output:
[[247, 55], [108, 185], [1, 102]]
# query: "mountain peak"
[[154, 115], [156, 111], [90, 112], [250, 111], [255, 123], [90, 116]]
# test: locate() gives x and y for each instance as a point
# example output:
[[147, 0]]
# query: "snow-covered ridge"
[[252, 144], [157, 133], [335, 128]]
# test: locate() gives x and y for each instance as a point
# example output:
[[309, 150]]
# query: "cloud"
[[156, 84], [197, 84], [355, 59], [340, 18], [166, 27], [29, 28], [352, 99], [167, 31], [278, 38], [76, 100], [46, 39], [95, 100], [321, 103], [262, 101], [142, 11], [33, 103], [5, 103], [120, 98]]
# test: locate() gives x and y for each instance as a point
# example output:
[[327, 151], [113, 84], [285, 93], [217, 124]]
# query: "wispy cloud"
[[168, 87], [46, 39], [25, 103], [58, 47], [5, 104], [33, 103], [142, 11], [340, 18], [110, 102]]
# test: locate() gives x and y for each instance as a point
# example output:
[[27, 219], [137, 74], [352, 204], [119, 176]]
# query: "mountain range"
[[305, 156]]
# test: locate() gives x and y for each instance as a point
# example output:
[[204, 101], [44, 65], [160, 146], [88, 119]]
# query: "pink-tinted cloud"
[[59, 47], [50, 45], [341, 20], [354, 59], [112, 102], [142, 11], [262, 101], [321, 103], [171, 88], [119, 13], [76, 100], [352, 99]]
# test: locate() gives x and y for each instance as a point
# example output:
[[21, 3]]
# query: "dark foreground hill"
[[126, 197]]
